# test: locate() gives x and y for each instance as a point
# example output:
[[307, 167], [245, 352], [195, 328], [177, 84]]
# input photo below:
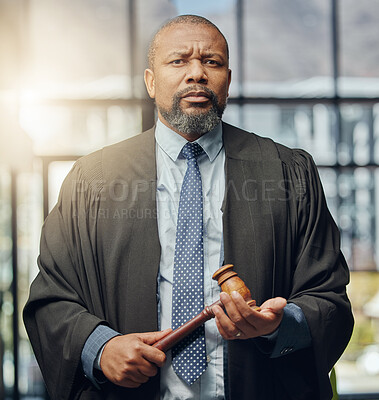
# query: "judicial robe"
[[100, 253]]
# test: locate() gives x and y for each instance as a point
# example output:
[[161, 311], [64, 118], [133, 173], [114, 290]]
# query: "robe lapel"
[[252, 203], [137, 233], [145, 237]]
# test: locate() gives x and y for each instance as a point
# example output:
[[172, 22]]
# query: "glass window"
[[76, 60], [78, 128], [306, 126], [357, 219], [57, 172], [288, 48], [77, 49], [358, 369], [6, 276], [150, 15], [359, 139], [29, 222], [359, 23]]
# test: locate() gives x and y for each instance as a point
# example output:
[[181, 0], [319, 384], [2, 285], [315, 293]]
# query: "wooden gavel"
[[229, 281]]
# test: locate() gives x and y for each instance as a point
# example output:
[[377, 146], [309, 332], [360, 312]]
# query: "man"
[[112, 247]]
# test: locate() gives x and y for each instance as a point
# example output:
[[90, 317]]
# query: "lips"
[[196, 96]]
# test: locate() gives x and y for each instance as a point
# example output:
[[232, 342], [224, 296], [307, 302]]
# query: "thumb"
[[276, 304], [152, 337]]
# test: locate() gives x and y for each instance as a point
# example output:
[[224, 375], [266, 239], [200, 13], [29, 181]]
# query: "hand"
[[130, 360], [242, 321]]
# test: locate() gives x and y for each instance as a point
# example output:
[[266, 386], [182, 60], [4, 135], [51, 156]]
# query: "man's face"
[[190, 78]]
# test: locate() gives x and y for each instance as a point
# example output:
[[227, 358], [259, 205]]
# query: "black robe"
[[100, 255]]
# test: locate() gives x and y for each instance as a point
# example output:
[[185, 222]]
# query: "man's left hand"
[[243, 322]]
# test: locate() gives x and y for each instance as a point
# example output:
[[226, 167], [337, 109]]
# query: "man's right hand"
[[130, 360]]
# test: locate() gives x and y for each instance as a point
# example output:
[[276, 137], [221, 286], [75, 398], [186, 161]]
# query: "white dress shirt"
[[171, 168]]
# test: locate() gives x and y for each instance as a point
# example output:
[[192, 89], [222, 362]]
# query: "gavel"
[[229, 281]]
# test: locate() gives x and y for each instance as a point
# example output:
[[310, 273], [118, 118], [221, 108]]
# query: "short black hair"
[[181, 19]]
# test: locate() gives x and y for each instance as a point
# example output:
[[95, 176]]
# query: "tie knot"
[[191, 150]]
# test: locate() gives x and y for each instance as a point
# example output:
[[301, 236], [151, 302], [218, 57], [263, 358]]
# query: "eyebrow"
[[184, 53], [178, 53]]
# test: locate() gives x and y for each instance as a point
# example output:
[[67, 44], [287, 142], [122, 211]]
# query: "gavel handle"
[[184, 330]]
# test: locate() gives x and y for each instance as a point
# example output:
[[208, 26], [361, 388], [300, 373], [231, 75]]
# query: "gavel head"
[[229, 281]]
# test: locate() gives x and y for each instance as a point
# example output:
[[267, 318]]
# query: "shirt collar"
[[172, 143]]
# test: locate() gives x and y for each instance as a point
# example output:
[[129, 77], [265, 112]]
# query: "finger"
[[152, 354], [147, 368], [149, 372], [247, 320], [243, 308], [140, 370], [152, 337], [227, 336], [131, 374], [275, 305], [234, 313], [226, 327], [137, 377], [221, 329]]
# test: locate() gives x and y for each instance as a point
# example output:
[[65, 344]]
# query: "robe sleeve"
[[320, 273], [64, 304]]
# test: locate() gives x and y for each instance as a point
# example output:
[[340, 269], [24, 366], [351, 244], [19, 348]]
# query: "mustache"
[[196, 88]]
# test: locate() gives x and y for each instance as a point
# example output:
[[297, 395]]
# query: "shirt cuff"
[[92, 350], [292, 334]]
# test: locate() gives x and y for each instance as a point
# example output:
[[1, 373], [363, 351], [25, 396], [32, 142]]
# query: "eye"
[[211, 62], [177, 62]]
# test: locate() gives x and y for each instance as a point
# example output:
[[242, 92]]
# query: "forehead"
[[187, 37]]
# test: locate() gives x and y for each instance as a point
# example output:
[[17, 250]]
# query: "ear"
[[150, 82], [229, 79]]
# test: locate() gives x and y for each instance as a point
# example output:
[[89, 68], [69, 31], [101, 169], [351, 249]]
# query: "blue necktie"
[[189, 356]]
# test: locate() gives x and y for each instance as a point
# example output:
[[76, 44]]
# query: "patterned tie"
[[189, 356]]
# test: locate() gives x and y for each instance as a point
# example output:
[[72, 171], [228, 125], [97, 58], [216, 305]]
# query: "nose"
[[196, 72]]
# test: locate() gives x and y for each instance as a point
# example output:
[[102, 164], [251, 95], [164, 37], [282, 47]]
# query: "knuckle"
[[162, 359], [118, 378], [138, 346], [238, 319], [126, 370], [231, 330]]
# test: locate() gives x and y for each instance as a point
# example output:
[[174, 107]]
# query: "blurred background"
[[305, 73]]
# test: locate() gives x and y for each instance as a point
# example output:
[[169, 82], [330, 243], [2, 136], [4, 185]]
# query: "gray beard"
[[197, 123]]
